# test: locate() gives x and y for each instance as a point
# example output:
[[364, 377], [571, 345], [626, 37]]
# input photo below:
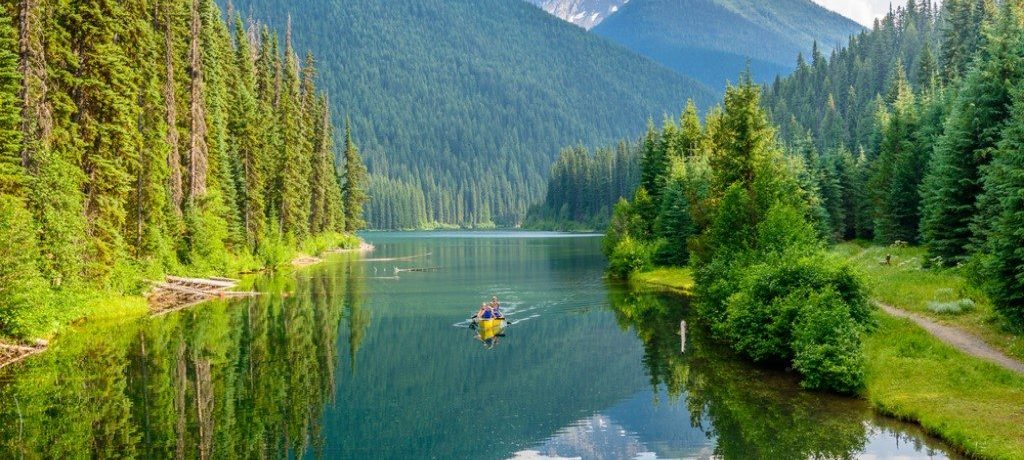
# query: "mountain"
[[461, 106], [713, 40], [584, 13]]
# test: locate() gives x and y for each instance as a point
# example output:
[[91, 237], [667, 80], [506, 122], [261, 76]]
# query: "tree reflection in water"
[[248, 379], [750, 412]]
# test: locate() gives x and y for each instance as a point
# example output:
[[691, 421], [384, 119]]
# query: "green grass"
[[905, 284], [672, 278], [55, 309], [319, 245], [970, 403]]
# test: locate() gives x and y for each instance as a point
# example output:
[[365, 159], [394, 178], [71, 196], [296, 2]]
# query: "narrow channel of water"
[[353, 359]]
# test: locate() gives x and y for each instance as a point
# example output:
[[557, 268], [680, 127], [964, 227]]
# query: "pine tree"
[[14, 178], [105, 95], [978, 116], [1003, 264], [898, 173], [295, 158], [353, 189], [246, 129], [674, 225]]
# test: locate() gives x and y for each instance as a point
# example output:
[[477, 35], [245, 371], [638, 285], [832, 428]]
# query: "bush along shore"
[[969, 402]]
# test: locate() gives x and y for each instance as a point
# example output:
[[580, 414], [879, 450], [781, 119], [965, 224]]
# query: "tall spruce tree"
[[353, 189], [979, 114], [1003, 261], [897, 175]]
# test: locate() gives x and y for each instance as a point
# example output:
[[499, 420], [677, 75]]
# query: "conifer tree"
[[898, 172], [353, 189], [14, 178], [1003, 263], [295, 159], [197, 147], [105, 95], [675, 224], [978, 116], [246, 130]]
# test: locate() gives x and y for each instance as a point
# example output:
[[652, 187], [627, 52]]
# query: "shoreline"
[[915, 377], [127, 307]]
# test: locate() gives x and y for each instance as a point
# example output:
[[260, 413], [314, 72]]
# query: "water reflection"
[[747, 411], [219, 381], [333, 362]]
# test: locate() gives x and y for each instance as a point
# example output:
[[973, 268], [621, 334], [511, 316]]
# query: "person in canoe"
[[485, 312], [496, 307]]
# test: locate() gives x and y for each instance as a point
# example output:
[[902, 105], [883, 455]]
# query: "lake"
[[353, 359]]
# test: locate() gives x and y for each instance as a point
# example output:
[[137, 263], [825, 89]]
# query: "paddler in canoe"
[[489, 323]]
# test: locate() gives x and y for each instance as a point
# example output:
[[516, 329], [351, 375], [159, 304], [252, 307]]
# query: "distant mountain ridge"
[[713, 40], [584, 13], [461, 106]]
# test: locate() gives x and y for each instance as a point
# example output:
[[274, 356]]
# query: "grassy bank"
[[976, 406], [675, 279], [906, 285], [55, 309]]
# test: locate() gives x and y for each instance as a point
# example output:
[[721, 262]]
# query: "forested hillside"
[[911, 135], [461, 105], [714, 40], [139, 138]]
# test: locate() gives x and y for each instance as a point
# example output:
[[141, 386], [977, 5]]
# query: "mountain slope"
[[461, 106], [584, 13], [712, 40]]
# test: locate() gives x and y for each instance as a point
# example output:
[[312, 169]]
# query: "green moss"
[[969, 402]]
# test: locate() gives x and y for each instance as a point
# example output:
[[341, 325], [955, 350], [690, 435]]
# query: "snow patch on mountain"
[[584, 13]]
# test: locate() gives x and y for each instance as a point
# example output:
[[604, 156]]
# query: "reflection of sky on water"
[[637, 429]]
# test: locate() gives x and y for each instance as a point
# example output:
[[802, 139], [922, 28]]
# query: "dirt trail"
[[958, 338]]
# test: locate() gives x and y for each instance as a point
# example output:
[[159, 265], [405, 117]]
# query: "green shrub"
[[827, 348], [951, 308], [771, 304], [23, 293], [320, 244], [630, 256], [273, 250]]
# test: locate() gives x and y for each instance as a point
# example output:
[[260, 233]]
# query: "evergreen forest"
[[911, 135], [461, 105], [151, 137]]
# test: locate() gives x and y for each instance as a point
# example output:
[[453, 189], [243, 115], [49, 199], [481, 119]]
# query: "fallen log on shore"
[[10, 354], [177, 293]]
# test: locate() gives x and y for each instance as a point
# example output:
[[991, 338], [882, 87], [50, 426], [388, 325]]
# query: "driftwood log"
[[176, 292]]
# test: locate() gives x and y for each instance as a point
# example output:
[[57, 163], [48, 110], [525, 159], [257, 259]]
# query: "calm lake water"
[[346, 360]]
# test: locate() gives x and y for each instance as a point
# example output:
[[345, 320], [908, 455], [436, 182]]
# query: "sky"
[[862, 11]]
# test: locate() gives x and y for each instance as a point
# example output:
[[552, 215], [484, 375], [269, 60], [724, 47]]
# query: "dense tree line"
[[469, 101], [583, 187], [935, 134], [138, 138]]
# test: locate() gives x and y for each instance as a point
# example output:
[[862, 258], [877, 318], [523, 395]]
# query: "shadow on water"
[[335, 363]]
